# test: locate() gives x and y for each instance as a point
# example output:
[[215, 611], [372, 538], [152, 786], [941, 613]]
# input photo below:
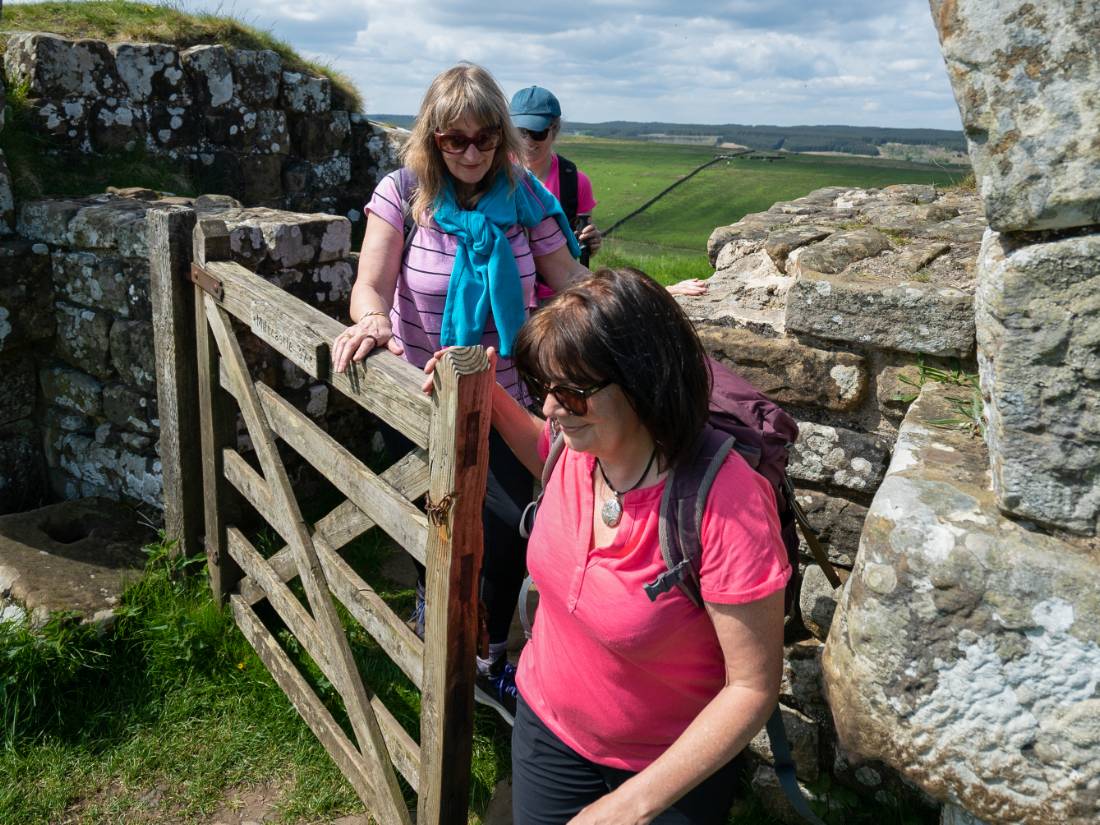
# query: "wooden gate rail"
[[448, 466]]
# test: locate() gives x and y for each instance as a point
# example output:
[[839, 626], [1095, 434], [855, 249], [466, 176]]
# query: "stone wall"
[[965, 651], [828, 303], [74, 289], [234, 120], [77, 395], [1025, 77]]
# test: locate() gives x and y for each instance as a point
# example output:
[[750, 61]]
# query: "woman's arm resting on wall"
[[371, 296], [751, 637]]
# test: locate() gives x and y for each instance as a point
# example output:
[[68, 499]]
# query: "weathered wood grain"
[[360, 599], [386, 385], [168, 235], [290, 524], [458, 469], [217, 423], [406, 753], [350, 762], [346, 522], [387, 507]]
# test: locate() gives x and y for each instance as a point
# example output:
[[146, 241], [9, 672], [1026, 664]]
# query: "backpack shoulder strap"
[[527, 520], [567, 186], [785, 768], [681, 515]]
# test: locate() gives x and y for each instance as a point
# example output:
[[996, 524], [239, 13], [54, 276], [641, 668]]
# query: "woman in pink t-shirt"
[[630, 710], [536, 113]]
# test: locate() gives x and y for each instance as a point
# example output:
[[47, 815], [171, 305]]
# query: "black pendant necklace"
[[612, 510]]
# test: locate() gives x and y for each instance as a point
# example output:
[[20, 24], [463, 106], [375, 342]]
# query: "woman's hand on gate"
[[356, 342], [429, 368]]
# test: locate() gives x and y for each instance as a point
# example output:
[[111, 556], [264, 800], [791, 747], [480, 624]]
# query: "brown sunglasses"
[[456, 143], [574, 399]]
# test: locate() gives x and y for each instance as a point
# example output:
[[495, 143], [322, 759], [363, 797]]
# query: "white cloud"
[[738, 61]]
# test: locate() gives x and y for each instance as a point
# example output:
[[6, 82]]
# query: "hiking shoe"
[[416, 618], [497, 689]]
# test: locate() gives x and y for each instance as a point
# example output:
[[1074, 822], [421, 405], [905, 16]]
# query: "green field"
[[669, 239]]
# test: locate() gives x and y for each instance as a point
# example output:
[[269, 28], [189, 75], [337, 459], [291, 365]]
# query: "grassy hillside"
[[669, 239], [117, 20], [857, 140]]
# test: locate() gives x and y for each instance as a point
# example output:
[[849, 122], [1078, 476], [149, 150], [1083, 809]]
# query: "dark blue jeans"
[[509, 489], [552, 783]]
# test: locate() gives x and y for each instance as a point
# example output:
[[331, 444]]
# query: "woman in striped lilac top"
[[483, 228]]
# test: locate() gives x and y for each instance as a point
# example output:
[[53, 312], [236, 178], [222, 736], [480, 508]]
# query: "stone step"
[[76, 556]]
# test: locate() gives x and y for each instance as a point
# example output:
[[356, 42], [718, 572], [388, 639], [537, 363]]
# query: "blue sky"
[[859, 62]]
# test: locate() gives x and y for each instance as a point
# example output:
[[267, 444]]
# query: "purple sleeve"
[[386, 202], [546, 237]]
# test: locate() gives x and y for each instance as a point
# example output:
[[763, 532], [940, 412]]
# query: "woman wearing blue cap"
[[536, 113]]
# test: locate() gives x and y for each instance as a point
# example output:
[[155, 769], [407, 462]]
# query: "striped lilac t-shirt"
[[421, 292]]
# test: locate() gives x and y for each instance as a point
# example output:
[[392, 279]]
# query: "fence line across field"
[[203, 381]]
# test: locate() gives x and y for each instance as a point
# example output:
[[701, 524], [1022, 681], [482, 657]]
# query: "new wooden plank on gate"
[[289, 523], [384, 384]]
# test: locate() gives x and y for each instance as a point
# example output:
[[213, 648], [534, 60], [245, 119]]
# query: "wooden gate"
[[448, 464]]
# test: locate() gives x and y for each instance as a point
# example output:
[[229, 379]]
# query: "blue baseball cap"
[[534, 108]]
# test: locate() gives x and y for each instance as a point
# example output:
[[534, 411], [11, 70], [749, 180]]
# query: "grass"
[[669, 239], [118, 20], [968, 407], [164, 717]]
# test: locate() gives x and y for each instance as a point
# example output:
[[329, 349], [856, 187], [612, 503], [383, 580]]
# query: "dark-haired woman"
[[483, 228], [631, 711]]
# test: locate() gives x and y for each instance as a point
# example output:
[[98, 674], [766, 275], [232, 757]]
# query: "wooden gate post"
[[218, 421], [458, 464], [168, 236]]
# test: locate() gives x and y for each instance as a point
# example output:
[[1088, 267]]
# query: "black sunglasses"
[[538, 137], [574, 399], [456, 143]]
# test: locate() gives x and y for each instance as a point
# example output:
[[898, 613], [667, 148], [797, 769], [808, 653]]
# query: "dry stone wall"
[[965, 651], [77, 384], [236, 120], [75, 290], [1025, 77], [830, 304]]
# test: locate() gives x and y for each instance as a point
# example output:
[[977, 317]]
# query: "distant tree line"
[[857, 140]]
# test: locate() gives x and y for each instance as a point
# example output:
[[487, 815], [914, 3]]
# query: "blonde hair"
[[465, 90]]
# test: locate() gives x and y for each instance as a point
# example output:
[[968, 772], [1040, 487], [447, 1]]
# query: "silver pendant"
[[612, 512]]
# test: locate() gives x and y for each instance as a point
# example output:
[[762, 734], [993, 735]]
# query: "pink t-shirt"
[[586, 202], [421, 293], [615, 676]]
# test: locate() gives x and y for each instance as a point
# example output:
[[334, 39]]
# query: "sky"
[[779, 62]]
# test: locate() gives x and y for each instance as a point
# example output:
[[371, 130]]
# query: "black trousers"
[[510, 489], [552, 783]]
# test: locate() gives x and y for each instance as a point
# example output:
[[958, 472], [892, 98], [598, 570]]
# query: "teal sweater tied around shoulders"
[[485, 277]]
